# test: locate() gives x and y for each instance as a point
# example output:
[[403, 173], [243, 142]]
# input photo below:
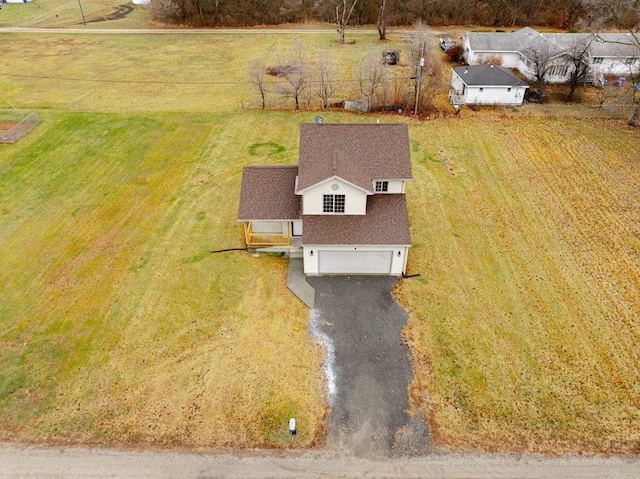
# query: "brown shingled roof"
[[358, 153], [385, 223], [267, 193]]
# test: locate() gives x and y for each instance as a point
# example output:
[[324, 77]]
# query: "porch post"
[[246, 232]]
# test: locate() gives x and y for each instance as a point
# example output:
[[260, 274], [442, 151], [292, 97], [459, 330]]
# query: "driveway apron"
[[371, 367]]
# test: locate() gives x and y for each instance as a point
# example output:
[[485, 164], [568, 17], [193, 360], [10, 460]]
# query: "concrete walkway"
[[297, 282]]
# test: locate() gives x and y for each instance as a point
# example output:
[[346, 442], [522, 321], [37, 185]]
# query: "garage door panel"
[[355, 262]]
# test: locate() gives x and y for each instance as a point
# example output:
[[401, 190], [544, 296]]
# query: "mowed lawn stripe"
[[513, 346], [122, 325]]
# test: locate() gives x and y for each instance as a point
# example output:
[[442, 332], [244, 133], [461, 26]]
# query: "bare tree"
[[369, 77], [257, 77], [326, 84], [420, 36], [539, 53], [343, 15], [295, 73], [432, 80], [382, 21], [578, 55], [623, 14]]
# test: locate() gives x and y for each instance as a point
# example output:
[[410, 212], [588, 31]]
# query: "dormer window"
[[382, 186], [333, 203]]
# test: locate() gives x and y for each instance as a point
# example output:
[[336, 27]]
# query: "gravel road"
[[21, 462]]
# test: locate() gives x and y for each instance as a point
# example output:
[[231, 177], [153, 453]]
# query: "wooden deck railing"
[[265, 239]]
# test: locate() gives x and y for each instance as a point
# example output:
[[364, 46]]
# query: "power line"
[[168, 82]]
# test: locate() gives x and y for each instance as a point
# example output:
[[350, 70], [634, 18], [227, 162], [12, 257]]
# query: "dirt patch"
[[448, 162], [201, 179], [120, 12], [10, 132]]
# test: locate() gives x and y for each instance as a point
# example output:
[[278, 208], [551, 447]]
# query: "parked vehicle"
[[446, 43]]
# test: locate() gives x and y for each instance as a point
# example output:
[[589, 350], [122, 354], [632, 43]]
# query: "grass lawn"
[[118, 325], [66, 14], [525, 321], [157, 72], [117, 322]]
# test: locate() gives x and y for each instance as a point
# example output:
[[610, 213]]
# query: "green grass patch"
[[117, 321], [262, 149]]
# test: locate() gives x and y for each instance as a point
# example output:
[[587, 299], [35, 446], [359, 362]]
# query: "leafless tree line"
[[559, 13], [297, 79]]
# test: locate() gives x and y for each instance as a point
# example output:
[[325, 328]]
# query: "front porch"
[[457, 97], [254, 240]]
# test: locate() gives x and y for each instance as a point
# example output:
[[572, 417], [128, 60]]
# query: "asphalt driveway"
[[371, 367]]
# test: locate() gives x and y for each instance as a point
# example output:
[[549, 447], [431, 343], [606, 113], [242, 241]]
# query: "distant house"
[[608, 54], [342, 208], [486, 85]]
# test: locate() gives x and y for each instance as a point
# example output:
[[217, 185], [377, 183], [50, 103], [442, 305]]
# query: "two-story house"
[[343, 207]]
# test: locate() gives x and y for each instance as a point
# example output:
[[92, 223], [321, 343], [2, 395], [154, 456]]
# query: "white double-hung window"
[[333, 203]]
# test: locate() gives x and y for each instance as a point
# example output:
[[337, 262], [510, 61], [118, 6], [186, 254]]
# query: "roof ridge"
[[272, 166]]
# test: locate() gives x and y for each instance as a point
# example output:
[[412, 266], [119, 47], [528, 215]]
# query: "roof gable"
[[487, 75], [357, 153], [338, 165], [338, 179]]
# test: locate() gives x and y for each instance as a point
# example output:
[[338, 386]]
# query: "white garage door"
[[355, 262]]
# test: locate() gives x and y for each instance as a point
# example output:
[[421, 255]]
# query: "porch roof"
[[267, 193]]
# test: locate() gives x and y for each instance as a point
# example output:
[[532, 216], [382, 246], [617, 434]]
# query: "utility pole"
[[419, 68], [82, 13]]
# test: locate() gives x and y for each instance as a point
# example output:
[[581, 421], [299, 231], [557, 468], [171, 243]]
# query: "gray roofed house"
[[342, 208], [608, 53], [491, 42], [486, 85], [487, 75]]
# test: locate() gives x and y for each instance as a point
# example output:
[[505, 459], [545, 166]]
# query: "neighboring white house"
[[343, 208], [609, 53], [486, 85]]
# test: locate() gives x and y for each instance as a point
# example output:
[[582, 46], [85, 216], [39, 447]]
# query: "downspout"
[[406, 257]]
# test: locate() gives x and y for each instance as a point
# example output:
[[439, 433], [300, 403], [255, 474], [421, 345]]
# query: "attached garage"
[[355, 262], [355, 259]]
